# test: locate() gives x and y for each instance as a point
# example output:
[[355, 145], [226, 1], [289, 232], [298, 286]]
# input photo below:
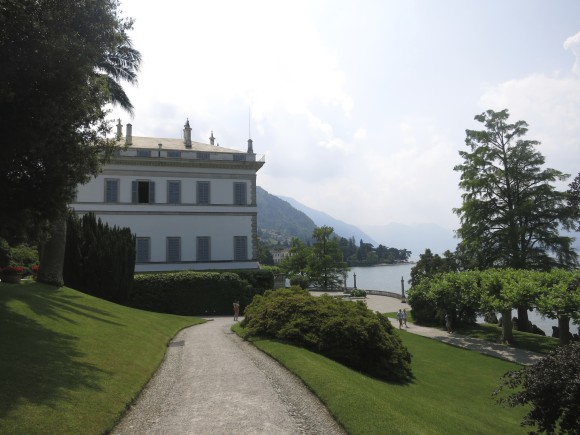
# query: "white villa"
[[191, 205]]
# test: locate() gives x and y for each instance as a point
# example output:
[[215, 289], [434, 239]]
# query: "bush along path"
[[212, 381]]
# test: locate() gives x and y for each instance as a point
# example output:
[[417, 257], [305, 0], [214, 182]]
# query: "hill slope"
[[342, 228], [278, 221]]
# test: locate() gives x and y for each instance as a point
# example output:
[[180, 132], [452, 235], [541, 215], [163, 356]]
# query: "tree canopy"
[[549, 389], [555, 294], [60, 63], [511, 213], [320, 265]]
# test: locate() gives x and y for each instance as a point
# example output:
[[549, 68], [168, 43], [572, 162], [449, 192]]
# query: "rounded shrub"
[[347, 332]]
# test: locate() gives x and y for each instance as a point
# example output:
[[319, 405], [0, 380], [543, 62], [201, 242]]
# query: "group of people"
[[402, 317]]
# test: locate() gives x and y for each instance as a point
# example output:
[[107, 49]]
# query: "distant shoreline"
[[406, 263]]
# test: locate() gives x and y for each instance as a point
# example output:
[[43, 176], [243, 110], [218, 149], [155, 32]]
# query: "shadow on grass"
[[49, 301], [38, 365]]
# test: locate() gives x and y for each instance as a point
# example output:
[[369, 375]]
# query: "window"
[[143, 192], [174, 154], [203, 194], [240, 196], [202, 155], [143, 153], [111, 190], [240, 248], [203, 248], [143, 249], [173, 249], [174, 192], [239, 157]]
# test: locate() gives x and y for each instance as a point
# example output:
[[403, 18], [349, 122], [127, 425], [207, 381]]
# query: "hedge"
[[197, 293]]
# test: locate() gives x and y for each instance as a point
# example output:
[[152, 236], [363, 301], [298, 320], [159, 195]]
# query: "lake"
[[388, 278]]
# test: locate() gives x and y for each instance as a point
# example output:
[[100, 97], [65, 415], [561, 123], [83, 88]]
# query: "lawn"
[[72, 363], [451, 393]]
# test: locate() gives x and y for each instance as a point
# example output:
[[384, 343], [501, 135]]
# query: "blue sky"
[[360, 107]]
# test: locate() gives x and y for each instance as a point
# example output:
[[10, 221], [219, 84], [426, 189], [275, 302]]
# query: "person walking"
[[236, 310], [400, 318], [405, 317], [448, 323]]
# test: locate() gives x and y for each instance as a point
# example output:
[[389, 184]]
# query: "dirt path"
[[212, 382]]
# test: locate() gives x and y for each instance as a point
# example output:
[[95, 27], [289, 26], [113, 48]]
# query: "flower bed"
[[11, 274]]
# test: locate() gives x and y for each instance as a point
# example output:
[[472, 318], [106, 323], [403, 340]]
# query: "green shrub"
[[358, 293], [99, 259], [423, 307], [345, 331], [300, 281], [24, 255], [260, 280], [5, 253], [191, 293]]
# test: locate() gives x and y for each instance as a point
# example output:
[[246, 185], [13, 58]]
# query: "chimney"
[[211, 138], [187, 134], [119, 129], [250, 147], [129, 135]]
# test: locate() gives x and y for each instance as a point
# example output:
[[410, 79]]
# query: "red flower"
[[13, 269]]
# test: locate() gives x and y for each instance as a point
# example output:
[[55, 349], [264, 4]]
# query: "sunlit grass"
[[72, 363], [451, 393]]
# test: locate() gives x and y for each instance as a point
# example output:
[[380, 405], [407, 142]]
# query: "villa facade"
[[191, 205]]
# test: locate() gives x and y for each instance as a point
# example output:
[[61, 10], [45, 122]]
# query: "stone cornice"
[[186, 163]]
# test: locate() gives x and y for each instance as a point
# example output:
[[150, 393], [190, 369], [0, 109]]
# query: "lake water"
[[388, 278]]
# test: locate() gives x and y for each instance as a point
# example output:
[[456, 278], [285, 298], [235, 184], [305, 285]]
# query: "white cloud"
[[551, 107], [573, 43]]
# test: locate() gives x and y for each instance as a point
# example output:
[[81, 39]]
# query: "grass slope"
[[451, 393], [71, 363]]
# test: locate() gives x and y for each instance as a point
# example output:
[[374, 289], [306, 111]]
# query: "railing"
[[193, 155]]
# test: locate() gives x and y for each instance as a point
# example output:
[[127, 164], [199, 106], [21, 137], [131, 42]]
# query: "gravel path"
[[212, 382]]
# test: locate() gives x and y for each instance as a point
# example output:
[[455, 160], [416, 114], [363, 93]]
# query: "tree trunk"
[[506, 327], [523, 320], [52, 253], [564, 328]]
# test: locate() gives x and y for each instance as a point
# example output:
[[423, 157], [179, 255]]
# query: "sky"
[[359, 107]]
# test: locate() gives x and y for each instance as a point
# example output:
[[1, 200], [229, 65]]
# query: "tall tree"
[[430, 264], [54, 85], [574, 200], [511, 213], [326, 264]]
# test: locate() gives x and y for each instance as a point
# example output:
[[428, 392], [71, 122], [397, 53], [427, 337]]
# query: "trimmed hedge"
[[196, 293], [260, 280], [347, 332], [99, 260]]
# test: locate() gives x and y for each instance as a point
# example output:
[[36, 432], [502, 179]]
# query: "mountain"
[[278, 221], [416, 238], [341, 228]]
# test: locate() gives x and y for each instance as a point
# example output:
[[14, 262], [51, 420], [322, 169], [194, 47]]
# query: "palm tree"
[[121, 64]]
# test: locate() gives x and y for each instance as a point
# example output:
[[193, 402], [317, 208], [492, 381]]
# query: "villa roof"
[[175, 144]]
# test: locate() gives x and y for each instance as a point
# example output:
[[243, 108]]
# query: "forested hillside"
[[279, 222]]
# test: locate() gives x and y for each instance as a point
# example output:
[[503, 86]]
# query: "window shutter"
[[134, 192], [151, 192]]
